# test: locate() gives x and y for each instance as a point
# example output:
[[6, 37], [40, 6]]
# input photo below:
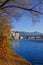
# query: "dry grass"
[[9, 57]]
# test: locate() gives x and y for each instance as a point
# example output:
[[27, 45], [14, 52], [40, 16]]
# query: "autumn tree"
[[4, 33], [5, 29], [4, 26]]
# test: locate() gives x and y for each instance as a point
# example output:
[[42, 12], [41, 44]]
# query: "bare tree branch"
[[30, 10], [35, 11], [37, 4], [4, 3]]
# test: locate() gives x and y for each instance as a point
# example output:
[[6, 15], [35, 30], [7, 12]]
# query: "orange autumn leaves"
[[4, 33], [5, 27]]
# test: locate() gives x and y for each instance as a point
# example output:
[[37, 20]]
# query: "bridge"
[[30, 36]]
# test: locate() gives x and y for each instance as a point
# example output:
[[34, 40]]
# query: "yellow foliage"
[[5, 27]]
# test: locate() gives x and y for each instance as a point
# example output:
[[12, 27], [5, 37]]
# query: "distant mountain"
[[29, 33]]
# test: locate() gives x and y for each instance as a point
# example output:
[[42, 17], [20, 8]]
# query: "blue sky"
[[25, 24]]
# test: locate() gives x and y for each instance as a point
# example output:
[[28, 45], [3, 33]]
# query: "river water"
[[30, 49]]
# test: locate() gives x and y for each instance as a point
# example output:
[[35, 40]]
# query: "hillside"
[[30, 33], [9, 57], [21, 33]]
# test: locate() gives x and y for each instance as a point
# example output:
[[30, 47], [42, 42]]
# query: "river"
[[30, 49]]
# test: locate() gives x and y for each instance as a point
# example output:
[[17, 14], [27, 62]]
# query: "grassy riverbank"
[[9, 57]]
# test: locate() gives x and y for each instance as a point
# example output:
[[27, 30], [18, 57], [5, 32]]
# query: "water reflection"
[[15, 43]]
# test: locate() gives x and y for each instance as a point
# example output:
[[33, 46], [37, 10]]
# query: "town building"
[[15, 34]]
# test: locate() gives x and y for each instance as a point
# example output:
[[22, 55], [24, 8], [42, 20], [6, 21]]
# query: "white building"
[[16, 34]]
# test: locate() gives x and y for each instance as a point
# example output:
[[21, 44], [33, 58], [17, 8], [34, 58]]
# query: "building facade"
[[16, 35]]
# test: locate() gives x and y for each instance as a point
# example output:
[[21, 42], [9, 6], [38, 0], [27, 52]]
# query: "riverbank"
[[11, 58]]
